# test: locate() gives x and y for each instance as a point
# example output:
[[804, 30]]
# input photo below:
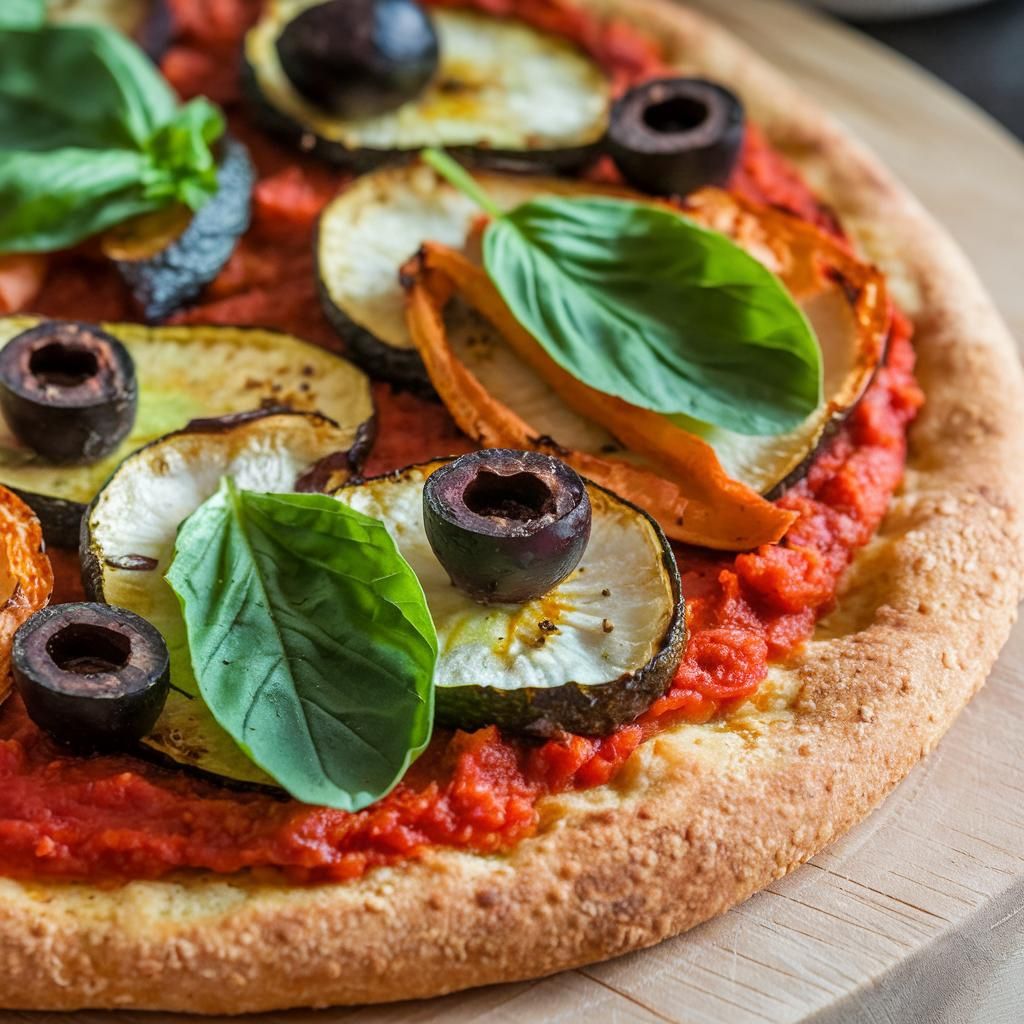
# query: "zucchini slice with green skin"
[[506, 94], [128, 536], [368, 232], [169, 279], [590, 655], [187, 373]]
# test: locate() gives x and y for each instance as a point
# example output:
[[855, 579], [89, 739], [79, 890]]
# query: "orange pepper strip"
[[493, 425], [722, 512], [26, 579], [21, 278]]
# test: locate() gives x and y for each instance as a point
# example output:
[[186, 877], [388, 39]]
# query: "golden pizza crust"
[[702, 816]]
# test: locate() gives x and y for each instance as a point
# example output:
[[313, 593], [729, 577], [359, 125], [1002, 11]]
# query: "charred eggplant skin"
[[68, 391], [95, 678], [508, 526], [359, 58], [168, 281], [672, 136]]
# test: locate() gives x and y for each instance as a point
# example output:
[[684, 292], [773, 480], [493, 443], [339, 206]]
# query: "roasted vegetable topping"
[[128, 544], [508, 526], [590, 653], [359, 58], [92, 676], [68, 391], [502, 92], [675, 135], [188, 373], [26, 577]]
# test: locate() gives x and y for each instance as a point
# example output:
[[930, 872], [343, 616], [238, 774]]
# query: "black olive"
[[68, 390], [671, 136], [94, 677], [507, 526], [359, 58]]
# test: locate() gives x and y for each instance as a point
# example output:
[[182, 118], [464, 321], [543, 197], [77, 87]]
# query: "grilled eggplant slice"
[[366, 229], [186, 373], [128, 542], [589, 655], [504, 94], [166, 273]]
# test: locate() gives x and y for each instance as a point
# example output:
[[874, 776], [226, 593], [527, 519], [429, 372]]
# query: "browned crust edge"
[[684, 836]]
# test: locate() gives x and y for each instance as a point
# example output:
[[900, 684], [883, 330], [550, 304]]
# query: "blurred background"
[[977, 46]]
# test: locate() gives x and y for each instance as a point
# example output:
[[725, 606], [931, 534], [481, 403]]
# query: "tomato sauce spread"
[[116, 818]]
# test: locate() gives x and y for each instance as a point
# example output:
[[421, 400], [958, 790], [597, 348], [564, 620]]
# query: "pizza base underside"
[[702, 816]]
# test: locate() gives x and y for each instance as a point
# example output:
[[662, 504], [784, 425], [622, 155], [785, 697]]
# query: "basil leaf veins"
[[310, 639], [638, 302], [91, 134]]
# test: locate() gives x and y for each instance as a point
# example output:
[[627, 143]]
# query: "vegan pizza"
[[486, 485]]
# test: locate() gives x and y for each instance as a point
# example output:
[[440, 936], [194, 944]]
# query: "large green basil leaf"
[[310, 639], [638, 302], [22, 13], [51, 200], [78, 85]]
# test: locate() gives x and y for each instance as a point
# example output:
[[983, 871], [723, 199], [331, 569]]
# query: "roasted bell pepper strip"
[[493, 425], [721, 512], [26, 579]]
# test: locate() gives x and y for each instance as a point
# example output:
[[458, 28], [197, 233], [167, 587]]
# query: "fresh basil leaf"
[[183, 167], [22, 13], [90, 135], [310, 639], [638, 302], [78, 85], [49, 201]]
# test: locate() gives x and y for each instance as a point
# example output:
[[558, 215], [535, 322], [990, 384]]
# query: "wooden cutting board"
[[918, 914]]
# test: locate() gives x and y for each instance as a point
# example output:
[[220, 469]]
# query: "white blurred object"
[[881, 9]]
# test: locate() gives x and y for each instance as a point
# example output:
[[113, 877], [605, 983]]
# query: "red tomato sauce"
[[116, 818]]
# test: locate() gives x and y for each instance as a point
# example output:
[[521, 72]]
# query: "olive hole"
[[61, 365], [678, 114], [87, 650], [520, 496]]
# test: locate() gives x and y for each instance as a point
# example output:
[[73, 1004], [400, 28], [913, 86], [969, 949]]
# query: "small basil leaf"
[[183, 167], [311, 641], [640, 303], [52, 200], [22, 14]]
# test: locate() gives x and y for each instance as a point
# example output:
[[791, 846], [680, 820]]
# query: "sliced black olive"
[[359, 58], [68, 390], [672, 136], [94, 677], [507, 526]]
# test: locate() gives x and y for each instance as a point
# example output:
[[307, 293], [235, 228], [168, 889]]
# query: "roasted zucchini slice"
[[368, 231], [128, 537], [187, 373], [505, 94], [588, 656]]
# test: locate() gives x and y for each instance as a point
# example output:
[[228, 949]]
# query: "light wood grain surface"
[[918, 914]]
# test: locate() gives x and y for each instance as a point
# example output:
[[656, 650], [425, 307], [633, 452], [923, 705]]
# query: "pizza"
[[487, 485]]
